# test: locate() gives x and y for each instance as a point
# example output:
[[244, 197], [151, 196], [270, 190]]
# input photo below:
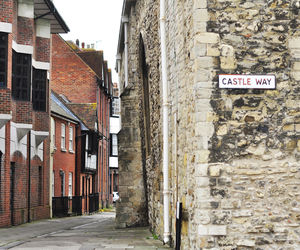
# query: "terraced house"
[[25, 36], [210, 113], [82, 78]]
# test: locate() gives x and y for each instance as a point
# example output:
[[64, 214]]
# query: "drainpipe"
[[166, 191], [29, 175], [125, 22]]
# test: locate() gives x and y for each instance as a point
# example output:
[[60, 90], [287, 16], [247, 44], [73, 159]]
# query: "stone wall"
[[234, 154]]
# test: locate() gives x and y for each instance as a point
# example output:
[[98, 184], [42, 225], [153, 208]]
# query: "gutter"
[[166, 191]]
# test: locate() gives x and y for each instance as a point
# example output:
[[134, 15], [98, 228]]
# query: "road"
[[89, 232]]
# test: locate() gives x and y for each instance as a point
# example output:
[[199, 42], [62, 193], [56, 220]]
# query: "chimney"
[[77, 42], [82, 45]]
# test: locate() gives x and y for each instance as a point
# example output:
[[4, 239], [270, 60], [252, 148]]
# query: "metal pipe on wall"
[[166, 191]]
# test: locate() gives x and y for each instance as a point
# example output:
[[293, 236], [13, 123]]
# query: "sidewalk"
[[90, 232]]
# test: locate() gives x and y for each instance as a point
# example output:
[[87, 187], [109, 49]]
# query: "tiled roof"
[[94, 59], [58, 107], [85, 112]]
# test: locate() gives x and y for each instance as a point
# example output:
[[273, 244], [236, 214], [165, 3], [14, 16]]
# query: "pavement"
[[88, 232]]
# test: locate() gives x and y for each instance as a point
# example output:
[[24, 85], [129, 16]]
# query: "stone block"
[[296, 75], [207, 37], [246, 243], [214, 170], [288, 127], [212, 230], [202, 193], [242, 213], [204, 129], [203, 93], [199, 50], [202, 181], [203, 75], [203, 62], [295, 53], [222, 130], [200, 15], [294, 43], [200, 4], [296, 66], [228, 63], [212, 50], [202, 156], [201, 170], [199, 27]]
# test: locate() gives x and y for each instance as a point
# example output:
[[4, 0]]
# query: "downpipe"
[[166, 191]]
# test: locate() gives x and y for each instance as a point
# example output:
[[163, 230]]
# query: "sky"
[[93, 21]]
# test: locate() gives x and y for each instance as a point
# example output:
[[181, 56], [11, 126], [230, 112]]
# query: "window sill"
[[71, 152], [63, 150]]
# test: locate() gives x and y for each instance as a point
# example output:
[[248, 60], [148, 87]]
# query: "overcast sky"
[[93, 21]]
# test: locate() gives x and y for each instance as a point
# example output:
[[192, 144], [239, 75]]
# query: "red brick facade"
[[63, 159], [70, 75], [24, 145], [74, 74]]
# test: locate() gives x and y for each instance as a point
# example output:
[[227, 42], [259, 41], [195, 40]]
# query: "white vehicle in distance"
[[115, 196]]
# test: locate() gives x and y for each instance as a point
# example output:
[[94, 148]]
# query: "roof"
[[86, 112], [58, 107], [45, 9], [94, 59]]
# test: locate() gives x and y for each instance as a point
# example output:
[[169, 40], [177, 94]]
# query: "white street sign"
[[247, 82]]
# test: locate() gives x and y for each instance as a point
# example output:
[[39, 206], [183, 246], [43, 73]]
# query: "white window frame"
[[114, 141], [63, 136], [53, 131], [71, 133], [70, 184]]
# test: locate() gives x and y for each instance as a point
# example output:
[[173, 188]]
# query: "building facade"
[[25, 34], [233, 155], [115, 124], [82, 77]]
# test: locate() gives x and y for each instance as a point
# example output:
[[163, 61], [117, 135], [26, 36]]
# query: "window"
[[114, 145], [21, 76], [63, 136], [62, 183], [53, 131], [70, 184], [39, 89], [71, 138], [115, 107], [3, 59]]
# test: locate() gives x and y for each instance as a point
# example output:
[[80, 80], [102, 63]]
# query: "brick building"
[[25, 32], [64, 126], [82, 76], [115, 125], [230, 154]]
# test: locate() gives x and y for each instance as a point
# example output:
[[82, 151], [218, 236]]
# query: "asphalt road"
[[90, 232]]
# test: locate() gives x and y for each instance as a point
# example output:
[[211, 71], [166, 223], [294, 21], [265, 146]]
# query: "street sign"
[[247, 81]]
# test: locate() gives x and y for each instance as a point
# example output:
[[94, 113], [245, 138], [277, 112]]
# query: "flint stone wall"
[[234, 154]]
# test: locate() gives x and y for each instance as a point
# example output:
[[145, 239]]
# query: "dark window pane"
[[3, 58], [39, 89], [21, 76]]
